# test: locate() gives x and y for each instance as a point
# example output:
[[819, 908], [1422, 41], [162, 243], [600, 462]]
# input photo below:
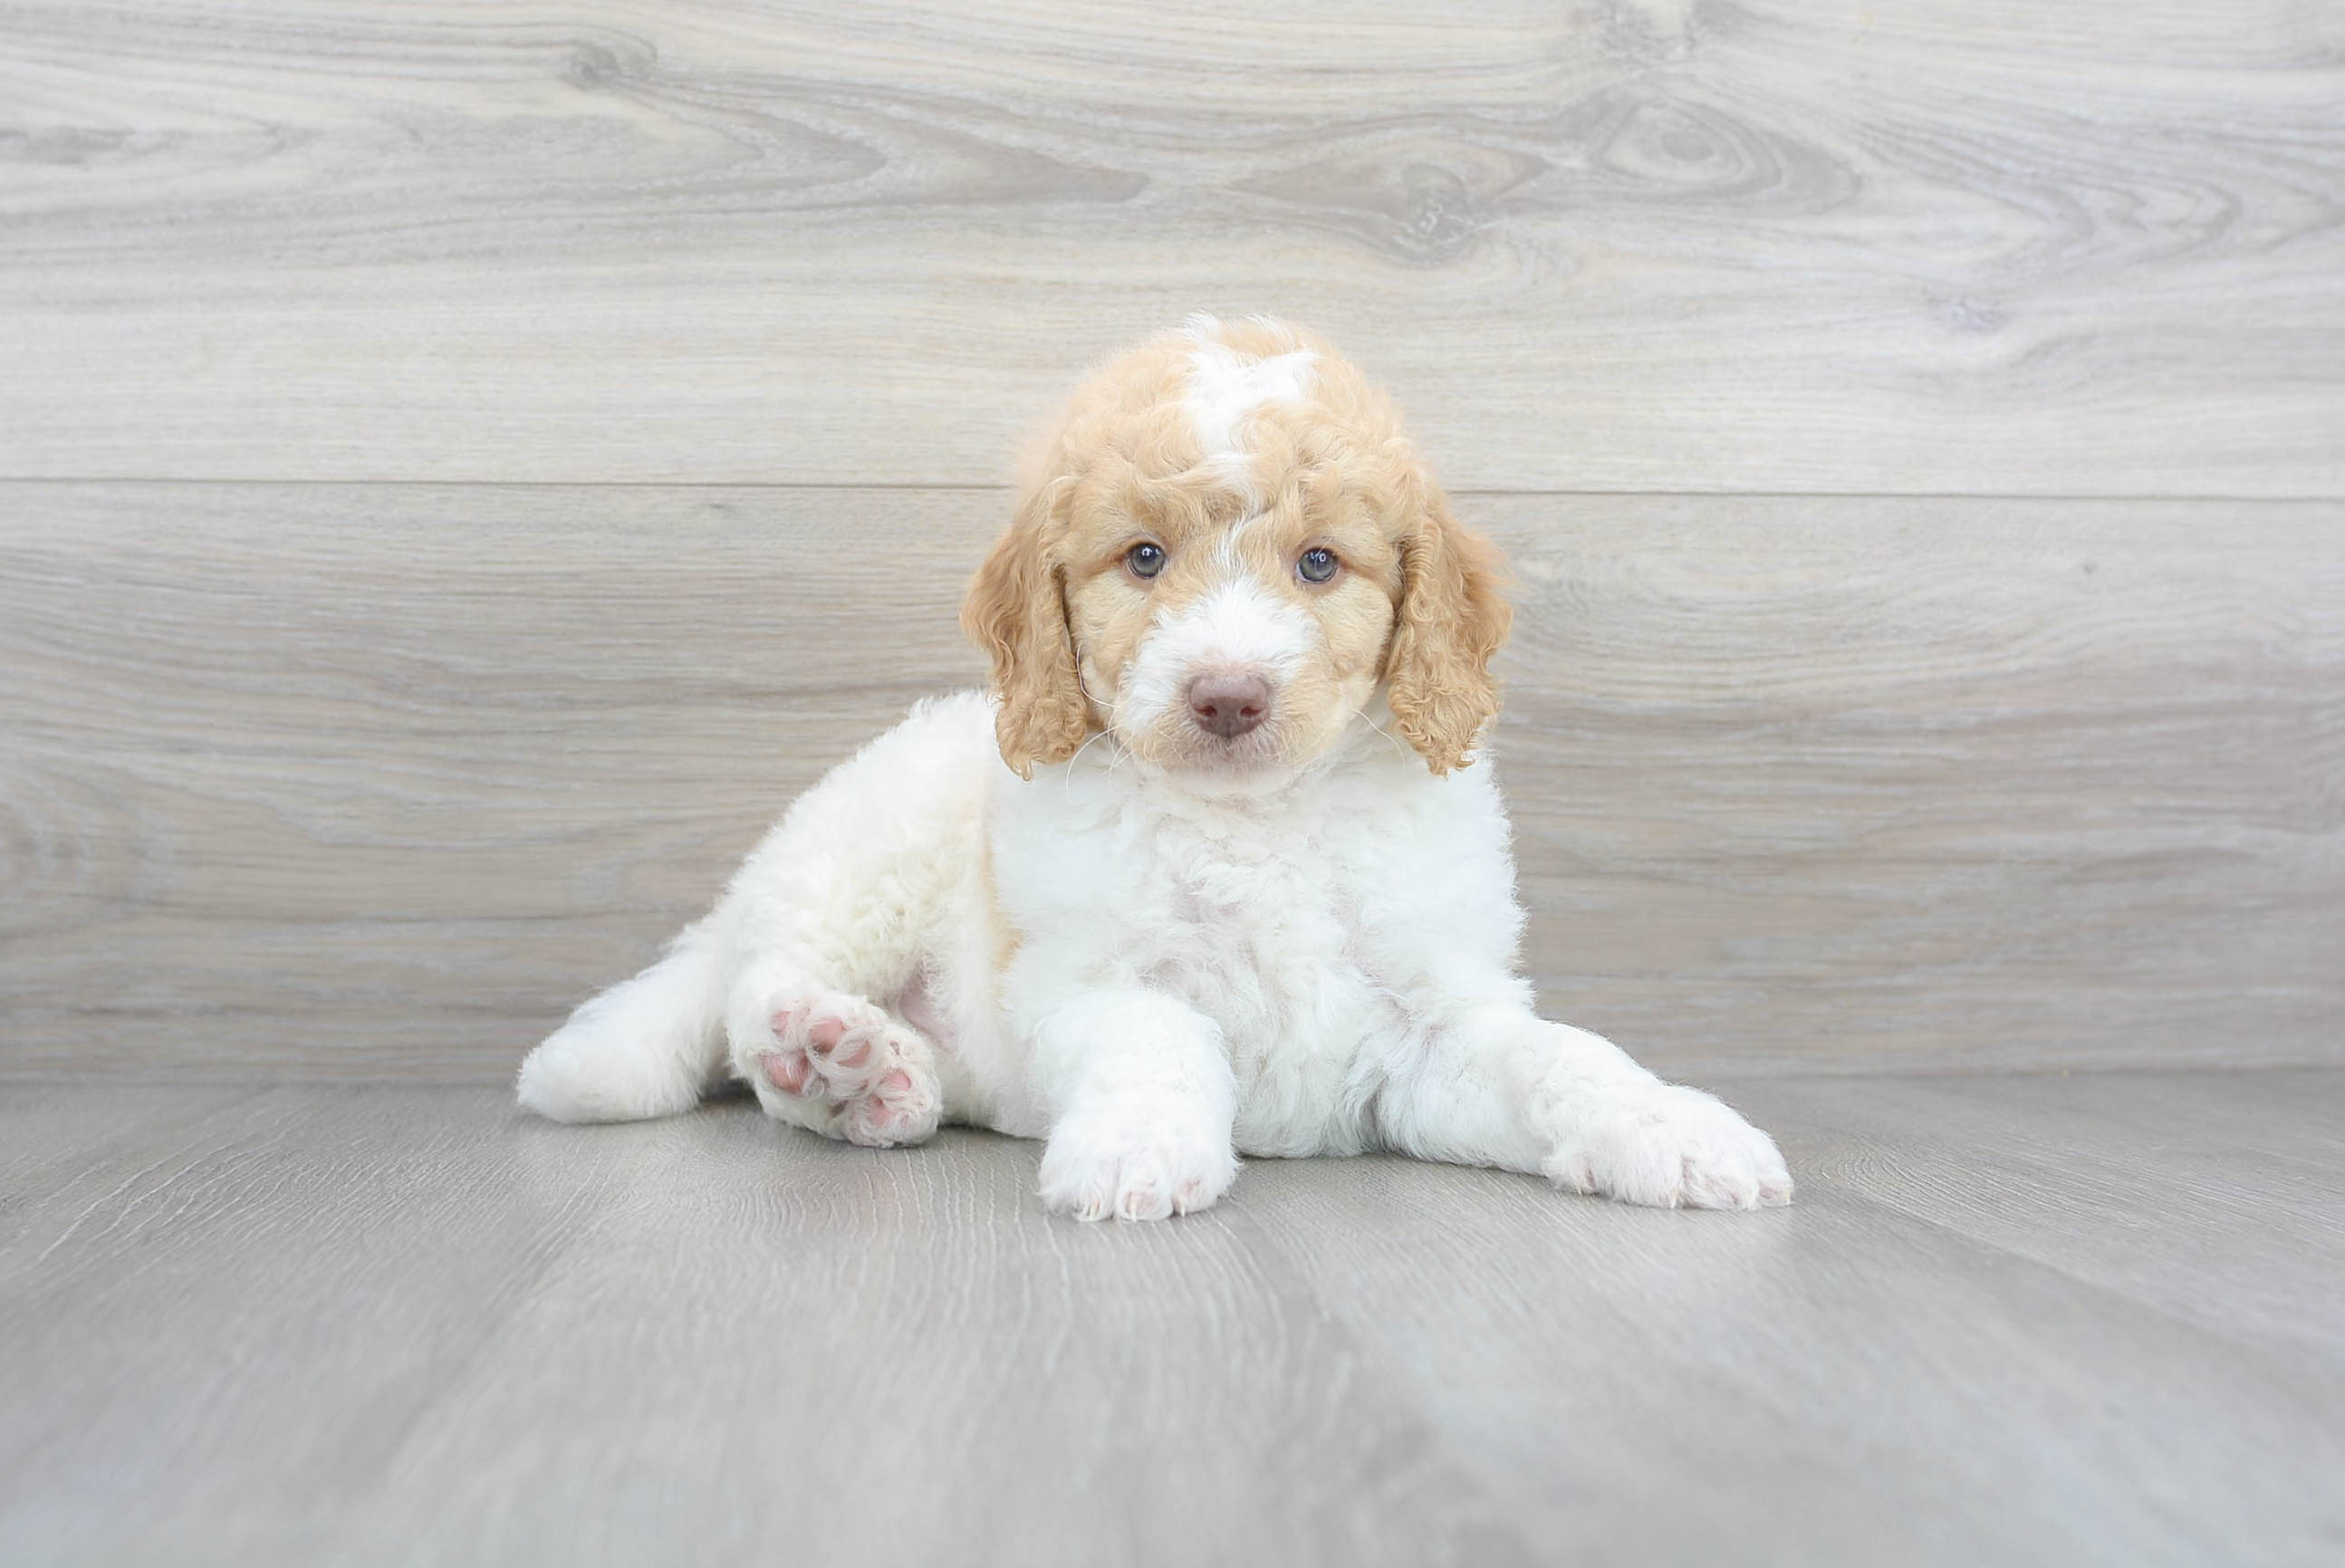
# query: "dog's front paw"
[[1671, 1147], [1136, 1161]]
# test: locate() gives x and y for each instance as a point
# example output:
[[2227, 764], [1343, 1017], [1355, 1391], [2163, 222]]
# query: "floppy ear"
[[1451, 623], [1017, 612]]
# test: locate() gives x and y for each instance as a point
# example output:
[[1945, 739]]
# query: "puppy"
[[1216, 868]]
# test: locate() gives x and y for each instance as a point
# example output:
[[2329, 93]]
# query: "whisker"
[[1387, 733], [1067, 782], [1091, 697]]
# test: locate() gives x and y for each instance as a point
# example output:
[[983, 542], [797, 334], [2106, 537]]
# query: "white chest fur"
[[1296, 922]]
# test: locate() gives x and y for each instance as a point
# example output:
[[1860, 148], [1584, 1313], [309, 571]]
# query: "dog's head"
[[1222, 550]]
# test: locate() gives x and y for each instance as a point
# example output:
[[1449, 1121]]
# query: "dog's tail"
[[646, 1047]]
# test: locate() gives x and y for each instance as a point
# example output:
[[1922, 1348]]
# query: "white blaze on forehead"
[[1238, 626], [1224, 386]]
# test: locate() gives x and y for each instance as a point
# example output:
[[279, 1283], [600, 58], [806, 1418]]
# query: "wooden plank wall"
[[462, 469]]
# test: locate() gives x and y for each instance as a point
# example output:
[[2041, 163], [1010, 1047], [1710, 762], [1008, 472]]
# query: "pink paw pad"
[[895, 1111], [831, 1051], [853, 1052], [866, 1073], [786, 1070]]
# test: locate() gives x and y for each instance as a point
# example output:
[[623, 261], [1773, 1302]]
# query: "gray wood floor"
[[2014, 1320]]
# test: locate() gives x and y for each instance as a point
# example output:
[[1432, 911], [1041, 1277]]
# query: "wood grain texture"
[[2109, 1179], [373, 1325], [1622, 244], [381, 781]]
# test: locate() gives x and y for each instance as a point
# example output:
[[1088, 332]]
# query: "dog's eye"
[[1316, 565], [1145, 560]]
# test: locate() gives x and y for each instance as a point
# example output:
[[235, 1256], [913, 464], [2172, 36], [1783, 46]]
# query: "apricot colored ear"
[[1452, 621], [1017, 612]]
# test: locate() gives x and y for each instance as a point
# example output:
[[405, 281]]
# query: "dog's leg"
[[1499, 1086], [835, 914], [648, 1046], [1142, 1104]]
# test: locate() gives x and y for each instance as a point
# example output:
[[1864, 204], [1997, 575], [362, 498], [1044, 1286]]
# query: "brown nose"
[[1228, 705]]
